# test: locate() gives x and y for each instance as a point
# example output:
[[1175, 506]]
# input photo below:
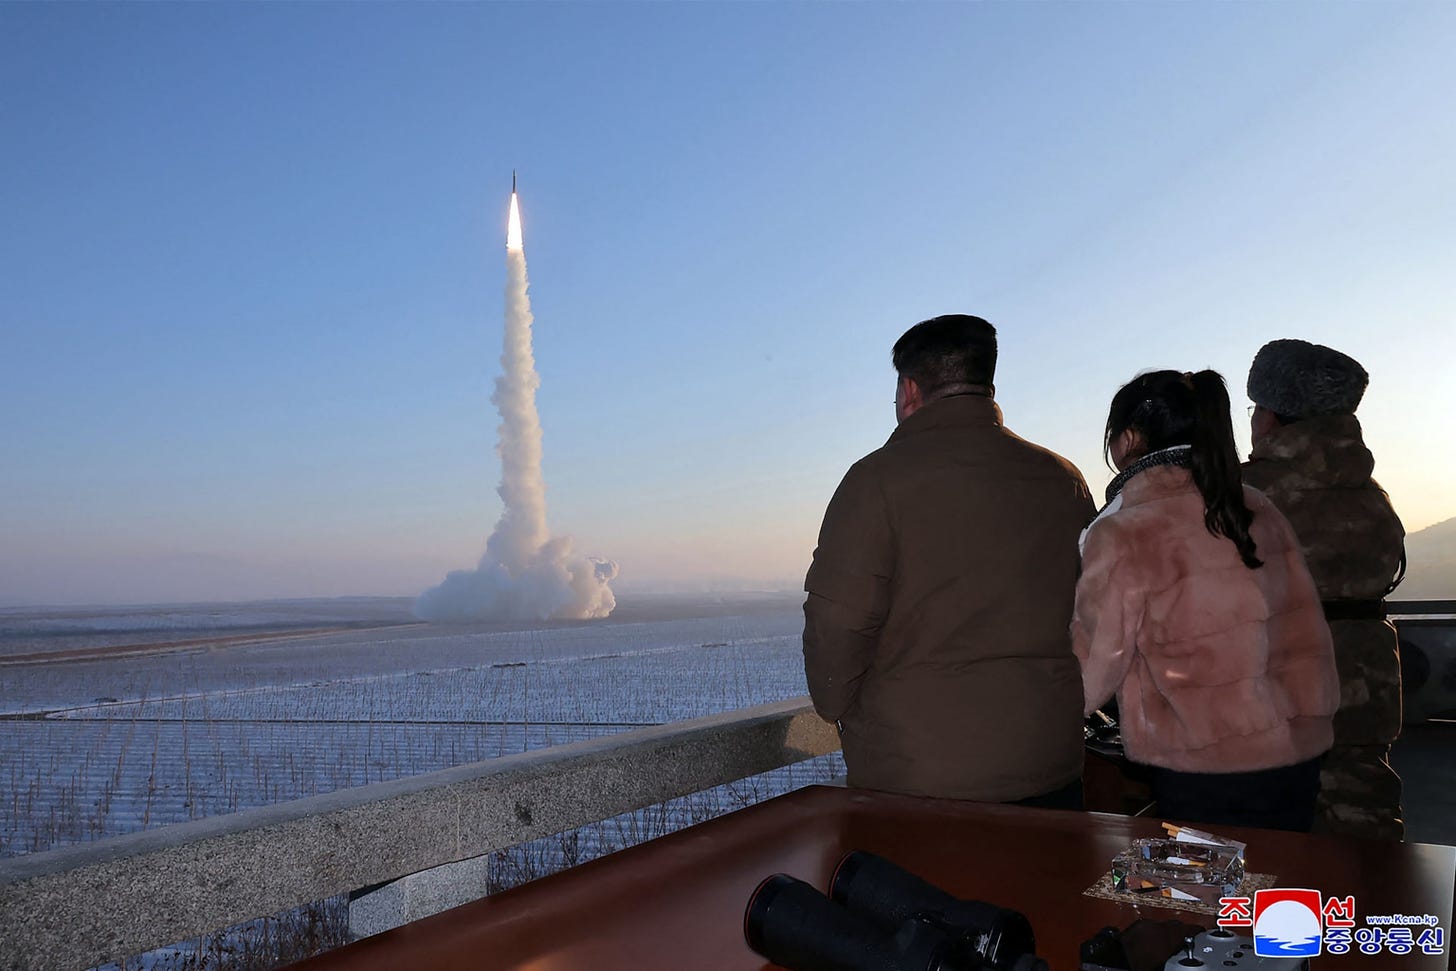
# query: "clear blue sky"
[[253, 258]]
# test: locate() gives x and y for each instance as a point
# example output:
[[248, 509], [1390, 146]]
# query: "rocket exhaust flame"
[[525, 572], [513, 228]]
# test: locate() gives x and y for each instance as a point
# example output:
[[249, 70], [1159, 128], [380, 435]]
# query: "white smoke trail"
[[525, 573], [521, 531]]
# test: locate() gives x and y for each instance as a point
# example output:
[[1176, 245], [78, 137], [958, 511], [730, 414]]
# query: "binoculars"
[[879, 917]]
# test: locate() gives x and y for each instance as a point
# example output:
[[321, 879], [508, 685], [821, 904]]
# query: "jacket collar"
[[1179, 455], [1156, 483], [958, 411]]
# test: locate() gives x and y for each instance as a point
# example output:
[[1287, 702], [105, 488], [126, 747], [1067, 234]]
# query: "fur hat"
[[1298, 379]]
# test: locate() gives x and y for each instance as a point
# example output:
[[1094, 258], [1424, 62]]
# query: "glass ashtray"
[[1179, 870]]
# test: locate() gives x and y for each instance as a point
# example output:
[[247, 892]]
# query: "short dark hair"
[[947, 350]]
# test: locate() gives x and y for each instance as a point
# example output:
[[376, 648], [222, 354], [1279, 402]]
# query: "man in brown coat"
[[936, 626], [1310, 458]]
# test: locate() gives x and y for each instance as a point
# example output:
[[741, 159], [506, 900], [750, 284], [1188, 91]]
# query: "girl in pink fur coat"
[[1195, 609]]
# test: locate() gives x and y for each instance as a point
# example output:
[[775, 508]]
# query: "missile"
[[513, 181]]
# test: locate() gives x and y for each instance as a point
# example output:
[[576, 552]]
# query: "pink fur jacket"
[[1216, 667]]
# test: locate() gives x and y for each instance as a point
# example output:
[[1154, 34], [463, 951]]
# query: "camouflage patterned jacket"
[[1317, 472]]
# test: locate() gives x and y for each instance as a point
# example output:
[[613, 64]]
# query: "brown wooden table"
[[676, 903]]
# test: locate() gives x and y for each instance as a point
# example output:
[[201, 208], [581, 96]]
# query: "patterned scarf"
[[1181, 455]]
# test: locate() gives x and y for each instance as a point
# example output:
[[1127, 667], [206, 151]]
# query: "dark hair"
[[949, 350], [1170, 408]]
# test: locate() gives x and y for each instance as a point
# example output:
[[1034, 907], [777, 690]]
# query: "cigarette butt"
[[1172, 830]]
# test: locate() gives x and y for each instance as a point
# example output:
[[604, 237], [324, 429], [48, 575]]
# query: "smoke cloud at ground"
[[525, 573], [557, 584]]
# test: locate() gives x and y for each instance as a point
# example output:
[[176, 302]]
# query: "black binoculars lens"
[[758, 907]]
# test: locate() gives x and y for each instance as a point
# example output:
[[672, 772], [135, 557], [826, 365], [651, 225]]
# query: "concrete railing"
[[96, 902]]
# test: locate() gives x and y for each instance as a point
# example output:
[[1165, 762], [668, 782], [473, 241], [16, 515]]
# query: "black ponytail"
[[1215, 466], [1169, 408]]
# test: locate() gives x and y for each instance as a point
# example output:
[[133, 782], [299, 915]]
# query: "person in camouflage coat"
[[1310, 459]]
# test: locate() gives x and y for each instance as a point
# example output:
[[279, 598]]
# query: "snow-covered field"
[[115, 720]]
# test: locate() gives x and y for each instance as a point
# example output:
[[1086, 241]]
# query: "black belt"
[[1354, 609]]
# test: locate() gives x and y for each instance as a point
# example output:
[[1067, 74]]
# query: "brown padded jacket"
[[936, 626], [1216, 667]]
